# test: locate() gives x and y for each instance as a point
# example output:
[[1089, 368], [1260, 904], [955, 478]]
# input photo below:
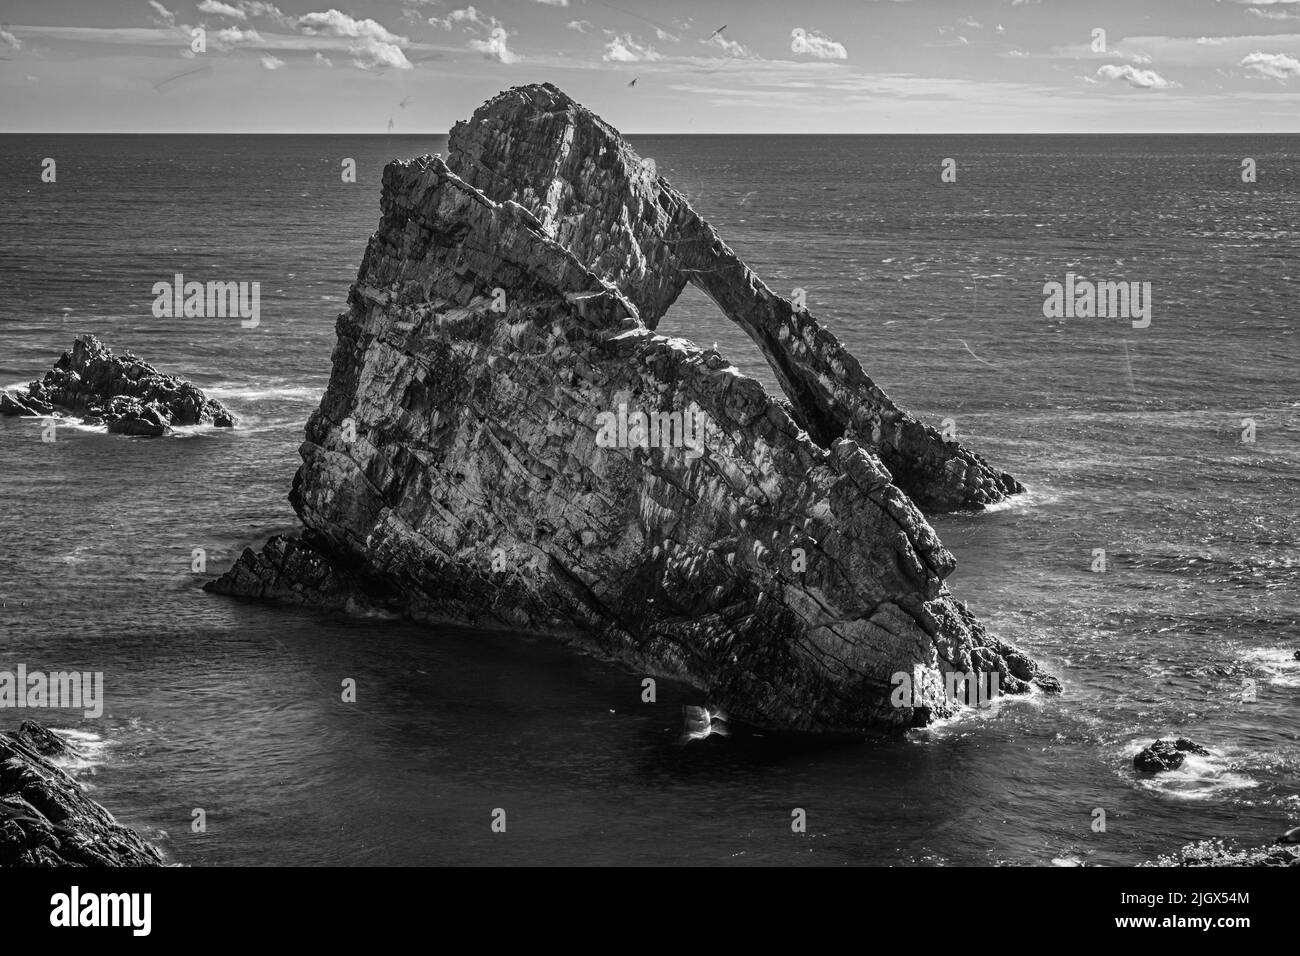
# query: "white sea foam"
[[1199, 778], [92, 750], [257, 393], [1278, 664]]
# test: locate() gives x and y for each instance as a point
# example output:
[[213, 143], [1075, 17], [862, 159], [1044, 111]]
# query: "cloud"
[[495, 46], [222, 10], [1142, 79], [1279, 66], [729, 47], [271, 62], [373, 46], [334, 23], [1274, 14], [665, 35], [167, 16], [466, 15], [269, 11], [582, 26], [815, 44], [322, 58], [555, 3], [228, 37], [10, 39], [623, 49]]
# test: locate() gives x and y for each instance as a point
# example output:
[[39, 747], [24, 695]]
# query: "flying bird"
[[634, 79], [717, 31], [402, 105]]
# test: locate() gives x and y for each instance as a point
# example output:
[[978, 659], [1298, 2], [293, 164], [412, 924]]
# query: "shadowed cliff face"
[[593, 194], [478, 457]]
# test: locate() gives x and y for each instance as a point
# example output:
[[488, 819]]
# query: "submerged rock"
[[480, 456], [1167, 754], [127, 395], [46, 818]]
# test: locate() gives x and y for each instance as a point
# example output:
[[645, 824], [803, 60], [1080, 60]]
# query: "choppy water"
[[1130, 440]]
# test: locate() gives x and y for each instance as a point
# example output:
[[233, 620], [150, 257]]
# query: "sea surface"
[[1130, 440]]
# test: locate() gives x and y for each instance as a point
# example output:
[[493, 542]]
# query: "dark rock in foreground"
[[46, 818], [462, 467], [1166, 754], [129, 396]]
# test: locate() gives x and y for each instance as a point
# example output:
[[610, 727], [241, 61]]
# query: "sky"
[[664, 66]]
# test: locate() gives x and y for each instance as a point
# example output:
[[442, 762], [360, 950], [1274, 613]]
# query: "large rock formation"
[[478, 456], [127, 395], [46, 819], [605, 204]]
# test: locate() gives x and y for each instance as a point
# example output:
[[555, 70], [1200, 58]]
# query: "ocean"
[[1130, 441]]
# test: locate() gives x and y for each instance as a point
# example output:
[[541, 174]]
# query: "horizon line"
[[239, 132]]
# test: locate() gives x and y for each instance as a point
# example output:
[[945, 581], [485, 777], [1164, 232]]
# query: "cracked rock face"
[[480, 456], [594, 195], [129, 396], [46, 819]]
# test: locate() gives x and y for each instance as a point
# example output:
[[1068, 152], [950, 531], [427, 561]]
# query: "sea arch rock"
[[455, 471], [536, 146]]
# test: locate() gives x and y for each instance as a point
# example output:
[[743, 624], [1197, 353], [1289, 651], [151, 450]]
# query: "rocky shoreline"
[[46, 817], [123, 393]]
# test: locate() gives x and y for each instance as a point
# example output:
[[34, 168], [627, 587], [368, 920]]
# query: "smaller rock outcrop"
[[46, 818], [124, 393], [1167, 754]]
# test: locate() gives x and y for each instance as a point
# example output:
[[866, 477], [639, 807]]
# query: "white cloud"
[[334, 23], [373, 46], [271, 62], [665, 35], [623, 49], [816, 44], [495, 47], [322, 58], [466, 15], [1279, 66], [234, 36], [582, 26], [10, 39], [555, 3], [729, 47], [368, 54], [167, 16], [222, 10], [1142, 79], [269, 11]]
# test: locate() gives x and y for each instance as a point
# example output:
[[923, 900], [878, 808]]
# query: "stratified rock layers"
[[453, 472], [46, 818], [594, 195]]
